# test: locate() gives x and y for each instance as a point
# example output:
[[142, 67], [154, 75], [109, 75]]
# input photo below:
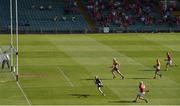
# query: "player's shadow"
[[94, 79], [123, 101], [148, 70], [139, 78], [81, 95], [5, 71]]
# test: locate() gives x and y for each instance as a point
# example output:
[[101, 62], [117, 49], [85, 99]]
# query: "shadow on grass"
[[148, 70], [123, 101], [5, 71], [80, 95], [94, 79], [8, 81], [139, 78]]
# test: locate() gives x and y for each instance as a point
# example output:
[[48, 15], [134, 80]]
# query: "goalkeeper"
[[5, 60]]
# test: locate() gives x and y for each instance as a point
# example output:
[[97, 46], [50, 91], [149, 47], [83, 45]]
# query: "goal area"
[[9, 48], [7, 64]]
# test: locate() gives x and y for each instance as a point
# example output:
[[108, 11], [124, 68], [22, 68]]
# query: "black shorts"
[[115, 69], [99, 85], [157, 71]]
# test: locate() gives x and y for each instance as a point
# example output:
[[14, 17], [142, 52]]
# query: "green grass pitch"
[[59, 69]]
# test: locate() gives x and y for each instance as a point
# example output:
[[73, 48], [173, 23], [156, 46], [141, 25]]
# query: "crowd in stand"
[[41, 7], [128, 12], [166, 12], [70, 7], [178, 20]]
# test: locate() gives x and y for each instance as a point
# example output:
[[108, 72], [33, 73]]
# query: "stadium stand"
[[133, 15], [57, 16], [44, 16]]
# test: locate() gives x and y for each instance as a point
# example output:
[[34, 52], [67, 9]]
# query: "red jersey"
[[142, 88]]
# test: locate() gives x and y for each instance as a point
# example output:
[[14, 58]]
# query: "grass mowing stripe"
[[104, 47], [66, 77], [166, 45], [74, 58], [95, 59], [28, 101], [22, 91], [133, 61], [97, 47], [129, 59]]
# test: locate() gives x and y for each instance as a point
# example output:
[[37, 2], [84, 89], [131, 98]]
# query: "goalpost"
[[14, 47], [9, 48]]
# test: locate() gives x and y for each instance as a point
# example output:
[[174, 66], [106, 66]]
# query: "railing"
[[139, 29], [57, 30]]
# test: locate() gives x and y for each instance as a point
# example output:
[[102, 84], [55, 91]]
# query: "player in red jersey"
[[142, 90], [169, 61], [115, 68], [157, 67]]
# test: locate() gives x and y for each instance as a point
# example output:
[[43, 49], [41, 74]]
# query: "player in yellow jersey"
[[157, 67], [115, 68]]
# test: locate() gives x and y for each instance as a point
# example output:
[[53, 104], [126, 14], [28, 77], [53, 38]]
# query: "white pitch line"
[[29, 103], [64, 75], [22, 91]]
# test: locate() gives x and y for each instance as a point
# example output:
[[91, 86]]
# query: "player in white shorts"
[[169, 61], [142, 90]]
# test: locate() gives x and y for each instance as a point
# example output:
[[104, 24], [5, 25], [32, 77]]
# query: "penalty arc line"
[[65, 76], [22, 91]]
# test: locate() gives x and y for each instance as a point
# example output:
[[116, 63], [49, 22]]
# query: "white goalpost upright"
[[17, 43], [14, 67], [11, 40]]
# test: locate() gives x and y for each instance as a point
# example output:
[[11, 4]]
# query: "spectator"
[[64, 18], [178, 20], [55, 18], [41, 7], [49, 7], [73, 19], [33, 6]]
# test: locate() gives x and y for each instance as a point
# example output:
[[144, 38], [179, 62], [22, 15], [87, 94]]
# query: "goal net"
[[8, 61], [9, 47]]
